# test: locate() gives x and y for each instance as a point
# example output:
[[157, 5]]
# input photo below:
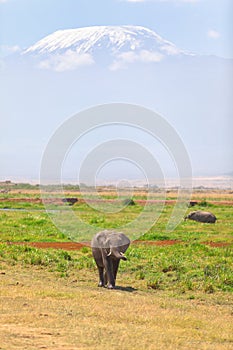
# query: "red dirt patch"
[[78, 246], [54, 245], [17, 200], [221, 202], [216, 244]]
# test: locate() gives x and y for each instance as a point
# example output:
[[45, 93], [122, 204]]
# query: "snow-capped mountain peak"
[[122, 44]]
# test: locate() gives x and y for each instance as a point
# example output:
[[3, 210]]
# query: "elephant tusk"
[[122, 255], [109, 253]]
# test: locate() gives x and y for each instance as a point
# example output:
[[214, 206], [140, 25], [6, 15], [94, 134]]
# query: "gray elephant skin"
[[202, 216], [108, 248]]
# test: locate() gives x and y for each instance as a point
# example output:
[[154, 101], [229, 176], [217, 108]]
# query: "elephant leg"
[[115, 264], [109, 272], [101, 276], [105, 278]]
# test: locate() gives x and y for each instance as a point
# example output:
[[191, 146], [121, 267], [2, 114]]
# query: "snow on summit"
[[70, 48], [84, 40]]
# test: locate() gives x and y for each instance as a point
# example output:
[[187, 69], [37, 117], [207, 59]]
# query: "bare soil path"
[[39, 310]]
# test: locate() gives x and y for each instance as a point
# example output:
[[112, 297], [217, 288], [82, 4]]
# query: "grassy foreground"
[[169, 297], [41, 311]]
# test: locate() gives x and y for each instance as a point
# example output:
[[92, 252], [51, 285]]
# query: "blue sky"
[[195, 97], [202, 26]]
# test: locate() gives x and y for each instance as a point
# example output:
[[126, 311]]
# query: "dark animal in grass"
[[70, 201], [128, 201], [193, 203], [202, 216], [108, 248]]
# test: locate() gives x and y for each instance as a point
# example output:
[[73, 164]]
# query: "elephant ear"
[[103, 241], [118, 239]]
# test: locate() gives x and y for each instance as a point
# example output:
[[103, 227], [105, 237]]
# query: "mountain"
[[116, 46], [71, 70]]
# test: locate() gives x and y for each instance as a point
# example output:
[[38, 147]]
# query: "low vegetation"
[[167, 294]]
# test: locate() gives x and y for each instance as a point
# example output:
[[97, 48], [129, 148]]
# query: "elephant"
[[108, 248], [202, 216]]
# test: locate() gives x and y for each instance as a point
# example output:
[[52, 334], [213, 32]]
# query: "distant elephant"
[[108, 248], [202, 216]]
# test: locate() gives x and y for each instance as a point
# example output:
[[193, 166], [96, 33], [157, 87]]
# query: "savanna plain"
[[173, 292]]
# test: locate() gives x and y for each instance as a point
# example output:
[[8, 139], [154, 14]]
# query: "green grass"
[[33, 224], [6, 204], [180, 268], [192, 231], [20, 226], [55, 260], [186, 267]]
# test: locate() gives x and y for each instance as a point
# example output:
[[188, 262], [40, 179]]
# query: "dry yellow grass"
[[140, 193], [41, 311]]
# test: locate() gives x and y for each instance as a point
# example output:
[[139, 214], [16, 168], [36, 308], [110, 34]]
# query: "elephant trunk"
[[117, 254]]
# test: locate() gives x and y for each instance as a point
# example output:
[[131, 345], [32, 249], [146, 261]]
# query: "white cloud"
[[144, 56], [70, 60], [147, 56], [171, 50], [213, 34], [6, 50]]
